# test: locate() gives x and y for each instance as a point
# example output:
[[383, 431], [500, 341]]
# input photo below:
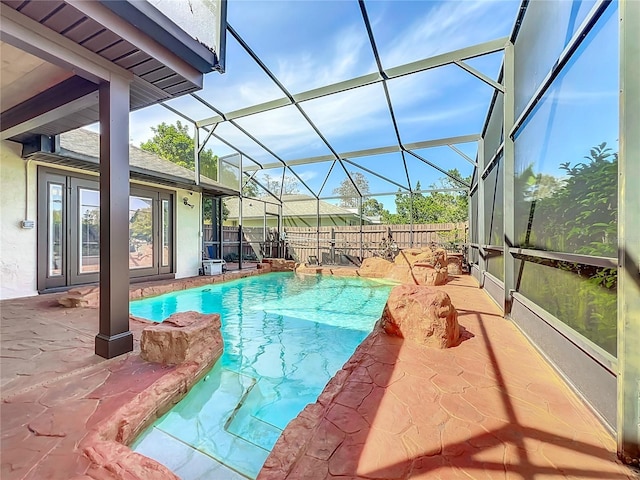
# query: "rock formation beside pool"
[[375, 267], [414, 266], [183, 337], [421, 314], [280, 264]]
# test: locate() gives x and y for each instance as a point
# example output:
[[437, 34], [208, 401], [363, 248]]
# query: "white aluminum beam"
[[369, 79], [463, 155], [478, 74], [447, 58], [442, 142], [370, 152]]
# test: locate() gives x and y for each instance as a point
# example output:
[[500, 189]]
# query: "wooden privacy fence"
[[331, 244], [350, 244]]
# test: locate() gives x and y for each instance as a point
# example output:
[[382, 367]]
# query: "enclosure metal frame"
[[627, 366], [628, 421]]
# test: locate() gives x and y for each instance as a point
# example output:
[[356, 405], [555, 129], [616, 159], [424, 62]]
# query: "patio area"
[[490, 407]]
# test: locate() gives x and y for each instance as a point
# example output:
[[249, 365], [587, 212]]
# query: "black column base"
[[112, 346]]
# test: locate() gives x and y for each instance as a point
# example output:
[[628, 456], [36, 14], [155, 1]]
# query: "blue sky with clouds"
[[309, 44]]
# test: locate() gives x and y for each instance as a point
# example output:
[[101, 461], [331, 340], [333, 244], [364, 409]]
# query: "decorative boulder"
[[183, 337], [421, 314], [419, 274], [305, 269], [427, 274], [454, 264], [375, 267], [440, 258], [280, 264], [411, 256], [82, 297], [264, 267]]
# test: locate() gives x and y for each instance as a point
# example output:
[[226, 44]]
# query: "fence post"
[[332, 251], [361, 246]]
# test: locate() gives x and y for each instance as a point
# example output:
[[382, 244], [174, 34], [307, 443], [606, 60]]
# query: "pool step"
[[182, 459], [245, 425], [199, 420]]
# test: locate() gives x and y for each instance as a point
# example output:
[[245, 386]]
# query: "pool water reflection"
[[284, 337]]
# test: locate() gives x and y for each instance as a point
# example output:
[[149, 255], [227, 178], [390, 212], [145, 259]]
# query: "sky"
[[310, 44]]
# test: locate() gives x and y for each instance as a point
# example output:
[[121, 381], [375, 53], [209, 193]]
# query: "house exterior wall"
[[18, 252]]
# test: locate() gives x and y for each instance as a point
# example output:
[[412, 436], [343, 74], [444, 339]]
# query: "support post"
[[332, 247], [240, 234], [411, 219], [482, 258], [508, 162], [628, 416], [282, 238], [220, 223], [196, 154], [361, 208], [114, 337], [318, 230]]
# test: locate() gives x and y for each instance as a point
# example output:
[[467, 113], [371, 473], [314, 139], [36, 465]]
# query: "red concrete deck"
[[488, 408]]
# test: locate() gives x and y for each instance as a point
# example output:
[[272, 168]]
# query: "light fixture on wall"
[[185, 200]]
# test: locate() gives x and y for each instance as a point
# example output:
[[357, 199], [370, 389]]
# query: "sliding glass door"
[[69, 231]]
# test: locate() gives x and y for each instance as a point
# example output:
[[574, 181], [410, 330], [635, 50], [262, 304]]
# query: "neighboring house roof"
[[295, 205], [82, 148]]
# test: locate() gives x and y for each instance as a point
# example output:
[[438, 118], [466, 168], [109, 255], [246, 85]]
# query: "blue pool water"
[[284, 337]]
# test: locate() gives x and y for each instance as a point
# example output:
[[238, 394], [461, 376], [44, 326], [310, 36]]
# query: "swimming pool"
[[285, 336]]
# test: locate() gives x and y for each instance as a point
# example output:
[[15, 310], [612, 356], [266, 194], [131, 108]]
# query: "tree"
[[140, 226], [250, 189], [575, 214], [434, 207], [349, 197], [174, 143], [207, 210], [373, 208], [274, 184]]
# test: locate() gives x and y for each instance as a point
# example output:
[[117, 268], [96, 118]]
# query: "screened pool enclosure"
[[525, 116]]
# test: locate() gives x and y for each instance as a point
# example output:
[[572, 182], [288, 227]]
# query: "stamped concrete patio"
[[490, 407]]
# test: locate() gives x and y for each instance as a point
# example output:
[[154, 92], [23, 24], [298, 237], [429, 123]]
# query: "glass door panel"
[[84, 231], [166, 233], [140, 232], [53, 203], [89, 229], [55, 230]]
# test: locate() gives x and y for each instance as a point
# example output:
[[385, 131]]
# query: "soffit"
[[25, 75]]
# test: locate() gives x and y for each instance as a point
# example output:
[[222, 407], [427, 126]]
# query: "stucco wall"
[[18, 252], [188, 235]]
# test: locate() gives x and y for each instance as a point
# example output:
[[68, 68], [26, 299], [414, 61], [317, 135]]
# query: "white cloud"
[[349, 56], [308, 175], [446, 27]]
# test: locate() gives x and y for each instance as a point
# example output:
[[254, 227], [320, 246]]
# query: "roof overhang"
[[95, 41]]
